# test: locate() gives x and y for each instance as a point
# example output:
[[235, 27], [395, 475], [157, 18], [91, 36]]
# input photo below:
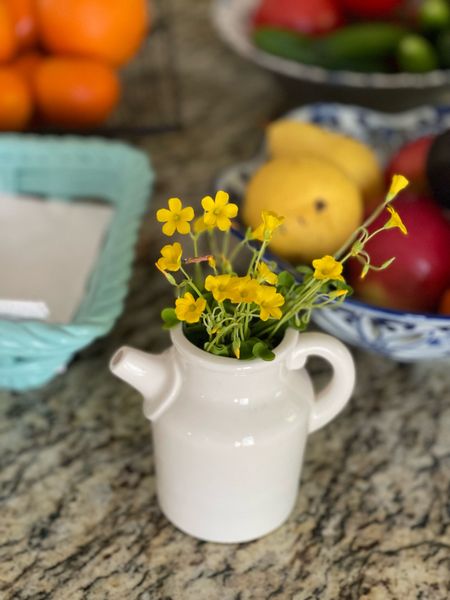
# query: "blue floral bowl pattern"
[[406, 337]]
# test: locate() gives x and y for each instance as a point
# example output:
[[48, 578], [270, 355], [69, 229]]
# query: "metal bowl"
[[403, 336], [391, 91]]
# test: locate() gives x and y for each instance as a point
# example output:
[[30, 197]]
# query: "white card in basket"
[[48, 249]]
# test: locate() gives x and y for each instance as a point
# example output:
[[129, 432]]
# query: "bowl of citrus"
[[60, 62], [326, 168]]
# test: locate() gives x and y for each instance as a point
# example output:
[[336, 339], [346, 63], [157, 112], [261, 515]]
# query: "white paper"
[[48, 249], [21, 309]]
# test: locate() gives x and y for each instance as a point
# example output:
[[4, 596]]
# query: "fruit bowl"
[[231, 19], [402, 336]]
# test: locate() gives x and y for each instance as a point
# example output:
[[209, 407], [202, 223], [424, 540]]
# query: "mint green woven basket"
[[72, 168]]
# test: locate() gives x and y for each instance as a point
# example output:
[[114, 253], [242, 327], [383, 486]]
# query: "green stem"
[[213, 242], [355, 234], [197, 267], [236, 250], [220, 334], [195, 288], [226, 243], [299, 305], [256, 258]]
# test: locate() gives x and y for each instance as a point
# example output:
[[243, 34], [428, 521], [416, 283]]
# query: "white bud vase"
[[229, 435]]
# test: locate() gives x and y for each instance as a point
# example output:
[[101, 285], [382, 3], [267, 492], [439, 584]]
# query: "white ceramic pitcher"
[[229, 435]]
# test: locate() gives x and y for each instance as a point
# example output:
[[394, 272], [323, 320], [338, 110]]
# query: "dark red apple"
[[418, 277], [411, 161], [370, 9]]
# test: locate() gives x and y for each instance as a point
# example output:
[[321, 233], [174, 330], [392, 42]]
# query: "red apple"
[[311, 18], [411, 161], [420, 274]]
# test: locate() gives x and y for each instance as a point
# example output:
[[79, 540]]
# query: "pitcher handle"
[[156, 376], [332, 399]]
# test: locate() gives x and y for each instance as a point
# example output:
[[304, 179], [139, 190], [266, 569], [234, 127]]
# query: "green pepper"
[[360, 41], [360, 47], [286, 44]]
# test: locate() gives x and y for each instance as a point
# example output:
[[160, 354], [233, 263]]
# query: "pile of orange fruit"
[[59, 59]]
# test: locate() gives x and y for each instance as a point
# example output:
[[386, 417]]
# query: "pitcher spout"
[[152, 375]]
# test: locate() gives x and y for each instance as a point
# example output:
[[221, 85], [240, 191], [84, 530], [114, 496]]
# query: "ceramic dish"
[[232, 22], [402, 336], [32, 352]]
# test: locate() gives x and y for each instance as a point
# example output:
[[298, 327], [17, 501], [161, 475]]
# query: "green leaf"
[[260, 350], [304, 269], [341, 285], [272, 265], [247, 347], [285, 279], [169, 317]]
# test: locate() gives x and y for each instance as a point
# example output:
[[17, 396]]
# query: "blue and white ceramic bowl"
[[405, 337]]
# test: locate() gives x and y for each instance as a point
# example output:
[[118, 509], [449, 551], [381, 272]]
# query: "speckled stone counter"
[[79, 517]]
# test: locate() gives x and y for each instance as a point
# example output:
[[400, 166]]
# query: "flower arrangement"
[[244, 315]]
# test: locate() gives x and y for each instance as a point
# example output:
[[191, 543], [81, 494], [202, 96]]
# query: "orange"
[[15, 100], [8, 41], [24, 22], [111, 30], [75, 92], [27, 63]]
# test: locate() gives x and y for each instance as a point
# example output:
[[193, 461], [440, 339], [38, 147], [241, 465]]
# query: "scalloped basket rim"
[[26, 345]]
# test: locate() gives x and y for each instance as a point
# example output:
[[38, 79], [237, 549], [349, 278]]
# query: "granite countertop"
[[79, 518]]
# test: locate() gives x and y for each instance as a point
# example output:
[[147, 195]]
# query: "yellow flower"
[[398, 183], [220, 286], [270, 222], [176, 218], [170, 257], [327, 267], [265, 274], [188, 309], [269, 301], [243, 289], [200, 225], [218, 212], [212, 262], [395, 221]]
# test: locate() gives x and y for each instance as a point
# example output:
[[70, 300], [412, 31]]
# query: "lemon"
[[322, 206], [291, 138]]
